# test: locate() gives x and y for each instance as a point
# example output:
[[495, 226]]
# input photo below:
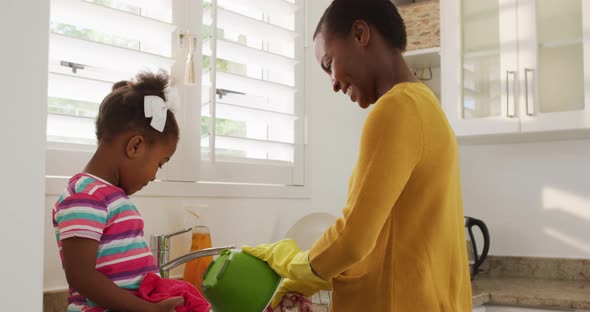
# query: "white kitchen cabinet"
[[512, 66], [426, 65], [554, 60]]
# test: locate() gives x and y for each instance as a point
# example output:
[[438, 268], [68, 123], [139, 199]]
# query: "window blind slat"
[[94, 54], [239, 53], [250, 86], [151, 5], [76, 88], [272, 7], [93, 73], [276, 112], [254, 28], [231, 147], [70, 129], [236, 112], [264, 103]]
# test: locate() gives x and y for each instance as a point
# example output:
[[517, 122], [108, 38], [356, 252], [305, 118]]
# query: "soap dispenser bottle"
[[201, 238]]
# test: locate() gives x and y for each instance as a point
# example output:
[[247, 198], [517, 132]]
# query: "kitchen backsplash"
[[422, 24]]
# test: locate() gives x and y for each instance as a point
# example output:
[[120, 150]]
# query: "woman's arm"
[[391, 147], [79, 264]]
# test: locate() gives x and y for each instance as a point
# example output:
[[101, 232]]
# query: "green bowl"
[[236, 281]]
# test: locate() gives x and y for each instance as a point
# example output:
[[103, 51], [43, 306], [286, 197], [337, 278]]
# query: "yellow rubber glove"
[[286, 259], [305, 288]]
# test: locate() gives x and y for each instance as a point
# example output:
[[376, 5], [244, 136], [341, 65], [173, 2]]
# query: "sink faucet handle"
[[160, 245], [177, 233]]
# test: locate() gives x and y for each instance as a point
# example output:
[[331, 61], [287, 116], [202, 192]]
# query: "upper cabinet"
[[422, 19], [512, 66], [555, 63]]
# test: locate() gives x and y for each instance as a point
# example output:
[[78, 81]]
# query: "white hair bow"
[[155, 107]]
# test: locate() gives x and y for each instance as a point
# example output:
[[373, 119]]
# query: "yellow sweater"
[[400, 245]]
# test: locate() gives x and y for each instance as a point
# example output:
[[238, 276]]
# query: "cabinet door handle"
[[530, 105], [510, 108]]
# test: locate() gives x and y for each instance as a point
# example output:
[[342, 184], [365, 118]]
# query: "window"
[[245, 123], [252, 89], [87, 55]]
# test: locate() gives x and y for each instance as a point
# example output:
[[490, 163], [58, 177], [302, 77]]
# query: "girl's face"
[[146, 159], [347, 62]]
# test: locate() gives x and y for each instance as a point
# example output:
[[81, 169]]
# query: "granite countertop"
[[533, 282], [526, 292], [531, 292], [512, 281]]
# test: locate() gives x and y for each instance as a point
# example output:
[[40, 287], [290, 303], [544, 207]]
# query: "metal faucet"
[[160, 245]]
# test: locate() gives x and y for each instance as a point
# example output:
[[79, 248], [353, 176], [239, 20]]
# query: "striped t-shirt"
[[95, 209]]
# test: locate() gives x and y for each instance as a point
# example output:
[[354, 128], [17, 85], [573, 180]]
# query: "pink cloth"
[[155, 289]]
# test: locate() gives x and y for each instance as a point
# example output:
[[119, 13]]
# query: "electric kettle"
[[475, 259]]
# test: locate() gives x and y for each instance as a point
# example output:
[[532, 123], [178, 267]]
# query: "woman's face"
[[347, 61]]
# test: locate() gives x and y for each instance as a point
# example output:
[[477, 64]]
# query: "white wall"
[[535, 198], [23, 85], [334, 131]]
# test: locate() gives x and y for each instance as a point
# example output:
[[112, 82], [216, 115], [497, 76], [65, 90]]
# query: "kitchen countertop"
[[526, 292], [533, 282], [531, 292], [515, 281]]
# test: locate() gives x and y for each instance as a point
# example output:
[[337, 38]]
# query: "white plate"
[[307, 230]]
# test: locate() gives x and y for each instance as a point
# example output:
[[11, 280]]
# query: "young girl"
[[98, 229]]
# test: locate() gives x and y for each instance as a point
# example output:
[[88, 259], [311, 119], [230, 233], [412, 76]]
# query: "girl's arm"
[[79, 264]]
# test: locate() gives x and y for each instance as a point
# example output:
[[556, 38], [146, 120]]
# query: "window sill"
[[55, 186]]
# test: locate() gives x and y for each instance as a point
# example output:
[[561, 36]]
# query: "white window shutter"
[[93, 44], [251, 102]]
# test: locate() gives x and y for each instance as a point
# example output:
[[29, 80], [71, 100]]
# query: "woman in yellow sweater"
[[400, 244]]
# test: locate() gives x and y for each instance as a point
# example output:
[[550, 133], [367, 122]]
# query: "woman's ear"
[[135, 146], [361, 32]]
